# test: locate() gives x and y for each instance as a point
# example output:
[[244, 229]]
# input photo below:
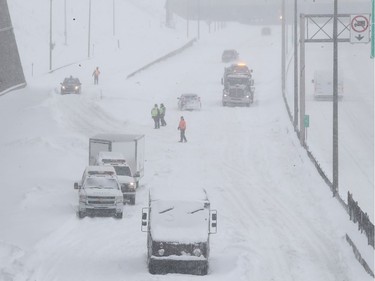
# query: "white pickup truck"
[[99, 192]]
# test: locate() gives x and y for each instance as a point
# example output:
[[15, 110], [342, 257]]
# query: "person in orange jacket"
[[182, 128]]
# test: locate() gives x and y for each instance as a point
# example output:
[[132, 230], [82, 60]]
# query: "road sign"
[[306, 121], [360, 28]]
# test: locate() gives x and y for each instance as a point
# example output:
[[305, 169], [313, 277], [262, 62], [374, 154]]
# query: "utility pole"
[[295, 121], [335, 158], [302, 82], [187, 18], [198, 18], [50, 35], [89, 43], [283, 47], [372, 29], [65, 31], [114, 22]]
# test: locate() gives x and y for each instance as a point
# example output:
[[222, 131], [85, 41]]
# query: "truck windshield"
[[123, 171], [238, 80], [101, 183]]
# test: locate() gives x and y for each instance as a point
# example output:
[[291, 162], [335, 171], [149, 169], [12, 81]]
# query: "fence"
[[364, 223]]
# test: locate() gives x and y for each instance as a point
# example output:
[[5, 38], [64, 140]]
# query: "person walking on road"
[[182, 128], [162, 114], [96, 74], [155, 114]]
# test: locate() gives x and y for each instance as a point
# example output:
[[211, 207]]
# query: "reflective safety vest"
[[162, 110], [154, 112]]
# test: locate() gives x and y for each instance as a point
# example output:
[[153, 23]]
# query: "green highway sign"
[[306, 121]]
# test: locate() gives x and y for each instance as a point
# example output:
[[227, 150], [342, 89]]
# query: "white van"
[[323, 85]]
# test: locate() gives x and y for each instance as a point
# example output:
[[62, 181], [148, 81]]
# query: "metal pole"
[[372, 29], [295, 67], [187, 18], [114, 30], [50, 35], [335, 160], [198, 18], [65, 30], [283, 47], [89, 43], [302, 81]]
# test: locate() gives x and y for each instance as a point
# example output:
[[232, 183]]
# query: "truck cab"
[[124, 174], [99, 193], [178, 226]]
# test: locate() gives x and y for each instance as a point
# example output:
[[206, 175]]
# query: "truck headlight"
[[161, 252], [248, 96], [82, 198], [197, 252], [76, 87], [63, 87], [224, 95], [132, 185]]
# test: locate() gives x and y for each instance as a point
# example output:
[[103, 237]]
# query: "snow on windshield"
[[98, 182], [179, 221]]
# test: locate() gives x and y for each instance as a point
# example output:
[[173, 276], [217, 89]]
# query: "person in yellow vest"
[[155, 114], [96, 74]]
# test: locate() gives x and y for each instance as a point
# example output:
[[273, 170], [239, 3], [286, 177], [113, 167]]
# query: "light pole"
[[295, 67], [335, 156], [187, 18], [50, 35], [114, 22], [65, 31], [283, 47], [88, 47], [198, 18]]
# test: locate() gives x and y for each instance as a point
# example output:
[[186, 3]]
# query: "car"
[[229, 55], [99, 193], [71, 85], [189, 102]]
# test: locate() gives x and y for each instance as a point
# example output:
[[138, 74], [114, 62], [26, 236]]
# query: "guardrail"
[[171, 54]]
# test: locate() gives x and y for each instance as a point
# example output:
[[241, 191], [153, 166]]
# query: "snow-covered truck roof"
[[180, 216]]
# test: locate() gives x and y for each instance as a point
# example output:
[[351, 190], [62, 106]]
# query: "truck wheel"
[[118, 216], [248, 104], [224, 103], [81, 214], [151, 268], [204, 270]]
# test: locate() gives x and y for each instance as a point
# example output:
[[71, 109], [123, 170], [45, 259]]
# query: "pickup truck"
[[99, 193]]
